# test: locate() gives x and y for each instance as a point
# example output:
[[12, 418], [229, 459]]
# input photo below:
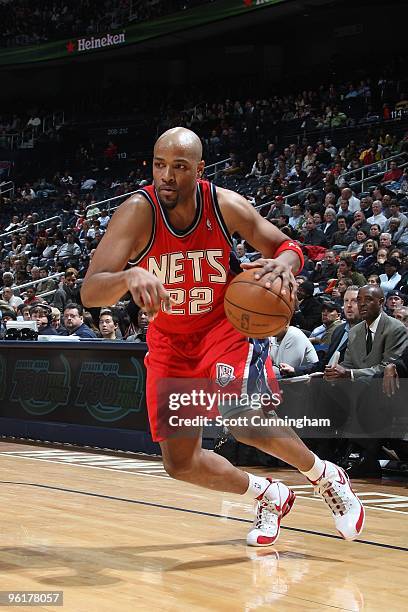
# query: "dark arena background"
[[302, 109]]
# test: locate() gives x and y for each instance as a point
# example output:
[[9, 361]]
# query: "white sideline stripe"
[[404, 505], [93, 467], [388, 508]]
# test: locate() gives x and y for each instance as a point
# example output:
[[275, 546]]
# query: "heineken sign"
[[134, 33], [92, 42]]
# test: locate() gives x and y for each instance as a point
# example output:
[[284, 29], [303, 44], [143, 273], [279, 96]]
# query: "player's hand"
[[336, 372], [147, 291], [274, 268], [390, 380]]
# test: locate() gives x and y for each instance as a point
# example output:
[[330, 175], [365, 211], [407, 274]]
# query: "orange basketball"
[[253, 309]]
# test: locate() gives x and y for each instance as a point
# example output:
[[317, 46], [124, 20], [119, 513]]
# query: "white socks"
[[316, 471], [257, 485]]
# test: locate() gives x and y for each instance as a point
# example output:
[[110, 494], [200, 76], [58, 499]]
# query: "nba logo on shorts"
[[225, 374]]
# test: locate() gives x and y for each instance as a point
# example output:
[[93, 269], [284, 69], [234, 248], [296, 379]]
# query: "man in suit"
[[329, 225], [372, 344]]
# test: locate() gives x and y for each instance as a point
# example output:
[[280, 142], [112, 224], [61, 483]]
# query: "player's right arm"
[[106, 280]]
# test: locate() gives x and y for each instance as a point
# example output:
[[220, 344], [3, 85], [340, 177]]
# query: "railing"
[[114, 198], [6, 187], [216, 167], [33, 283], [361, 182], [24, 227], [365, 170], [372, 177], [9, 141]]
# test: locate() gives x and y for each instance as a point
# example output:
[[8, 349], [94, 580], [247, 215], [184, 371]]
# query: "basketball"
[[255, 310]]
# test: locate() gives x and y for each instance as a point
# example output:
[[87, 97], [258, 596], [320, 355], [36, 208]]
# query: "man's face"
[[374, 231], [332, 315], [72, 319], [341, 224], [30, 293], [394, 210], [377, 208], [344, 205], [330, 257], [175, 172], [240, 250], [369, 303], [385, 241], [358, 216], [43, 273], [107, 326], [310, 224], [350, 306], [7, 293], [394, 301], [365, 203], [142, 319]]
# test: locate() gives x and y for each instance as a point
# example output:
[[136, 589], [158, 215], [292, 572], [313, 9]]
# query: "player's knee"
[[178, 469]]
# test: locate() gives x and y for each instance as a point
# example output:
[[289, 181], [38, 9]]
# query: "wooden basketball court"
[[115, 533]]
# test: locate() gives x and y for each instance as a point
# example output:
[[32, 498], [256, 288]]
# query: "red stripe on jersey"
[[192, 264]]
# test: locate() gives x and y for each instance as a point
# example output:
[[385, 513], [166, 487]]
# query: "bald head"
[[180, 138], [177, 165], [370, 302]]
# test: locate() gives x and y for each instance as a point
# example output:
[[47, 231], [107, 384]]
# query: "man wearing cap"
[[331, 318], [395, 299], [6, 314], [279, 208], [308, 312]]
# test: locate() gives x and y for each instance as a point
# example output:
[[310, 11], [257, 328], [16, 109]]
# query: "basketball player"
[[176, 236]]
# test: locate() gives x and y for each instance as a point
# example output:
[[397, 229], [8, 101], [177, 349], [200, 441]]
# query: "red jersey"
[[192, 264]]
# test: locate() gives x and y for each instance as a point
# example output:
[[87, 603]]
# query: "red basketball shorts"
[[219, 357]]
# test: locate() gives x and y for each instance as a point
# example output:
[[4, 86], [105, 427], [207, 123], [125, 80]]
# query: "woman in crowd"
[[367, 257], [357, 245]]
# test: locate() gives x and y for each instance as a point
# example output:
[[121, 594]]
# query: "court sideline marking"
[[189, 511], [385, 502]]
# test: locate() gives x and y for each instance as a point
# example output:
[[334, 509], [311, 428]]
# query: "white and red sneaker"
[[335, 490], [274, 503]]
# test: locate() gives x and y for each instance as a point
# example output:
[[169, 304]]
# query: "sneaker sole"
[[286, 508], [361, 519]]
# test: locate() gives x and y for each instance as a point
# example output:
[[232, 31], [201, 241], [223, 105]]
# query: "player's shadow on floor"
[[86, 566]]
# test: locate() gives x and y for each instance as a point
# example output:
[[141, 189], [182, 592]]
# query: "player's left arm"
[[240, 216]]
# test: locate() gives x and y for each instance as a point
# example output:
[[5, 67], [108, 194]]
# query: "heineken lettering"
[[86, 44]]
